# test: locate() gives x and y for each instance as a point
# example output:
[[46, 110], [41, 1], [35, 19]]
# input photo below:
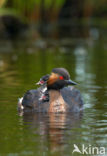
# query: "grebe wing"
[[31, 98], [73, 98]]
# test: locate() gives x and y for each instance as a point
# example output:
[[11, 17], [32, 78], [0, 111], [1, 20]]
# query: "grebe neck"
[[57, 103]]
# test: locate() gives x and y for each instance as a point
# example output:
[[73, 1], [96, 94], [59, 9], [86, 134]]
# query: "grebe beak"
[[70, 82]]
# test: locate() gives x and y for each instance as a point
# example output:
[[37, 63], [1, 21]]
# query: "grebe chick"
[[28, 97]]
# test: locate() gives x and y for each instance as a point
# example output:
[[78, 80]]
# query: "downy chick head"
[[43, 80]]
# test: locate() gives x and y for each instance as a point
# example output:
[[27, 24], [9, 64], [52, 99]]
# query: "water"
[[21, 66]]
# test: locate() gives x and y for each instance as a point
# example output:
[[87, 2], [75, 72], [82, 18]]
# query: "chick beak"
[[40, 83], [70, 82]]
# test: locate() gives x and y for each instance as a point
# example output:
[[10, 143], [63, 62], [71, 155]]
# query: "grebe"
[[54, 95]]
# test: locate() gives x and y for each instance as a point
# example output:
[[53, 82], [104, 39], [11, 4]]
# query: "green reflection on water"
[[53, 135]]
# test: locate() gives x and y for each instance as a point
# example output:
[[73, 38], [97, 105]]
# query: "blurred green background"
[[51, 18]]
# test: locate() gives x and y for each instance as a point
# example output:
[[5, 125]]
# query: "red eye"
[[61, 78]]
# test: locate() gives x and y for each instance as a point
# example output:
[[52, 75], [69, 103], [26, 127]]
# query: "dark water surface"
[[21, 66]]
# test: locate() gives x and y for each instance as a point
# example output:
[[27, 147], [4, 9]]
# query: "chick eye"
[[61, 78]]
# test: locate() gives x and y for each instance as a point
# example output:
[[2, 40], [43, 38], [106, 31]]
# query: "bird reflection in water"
[[52, 127]]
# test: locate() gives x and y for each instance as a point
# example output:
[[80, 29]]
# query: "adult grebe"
[[53, 95]]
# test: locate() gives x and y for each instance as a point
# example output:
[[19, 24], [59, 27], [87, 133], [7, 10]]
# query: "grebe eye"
[[61, 78]]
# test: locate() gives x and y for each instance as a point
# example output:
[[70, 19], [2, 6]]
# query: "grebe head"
[[43, 80], [59, 78]]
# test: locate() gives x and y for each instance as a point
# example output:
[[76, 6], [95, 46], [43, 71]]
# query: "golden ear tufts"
[[53, 78]]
